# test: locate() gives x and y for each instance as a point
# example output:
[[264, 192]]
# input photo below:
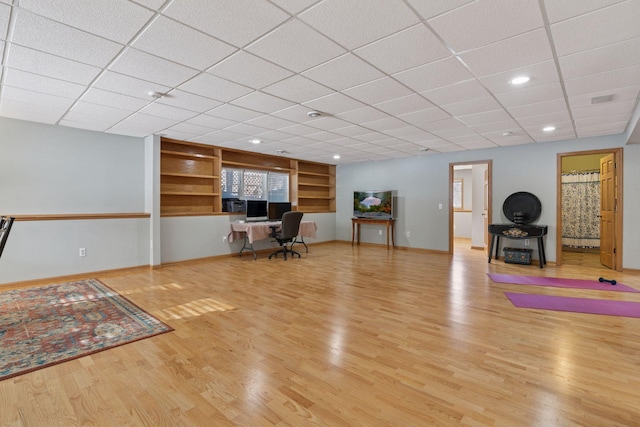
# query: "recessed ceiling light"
[[255, 141], [507, 133], [549, 128], [520, 80], [313, 114], [336, 156]]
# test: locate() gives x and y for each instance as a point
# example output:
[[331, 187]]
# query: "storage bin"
[[517, 256]]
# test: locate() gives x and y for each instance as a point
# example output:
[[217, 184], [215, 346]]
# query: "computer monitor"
[[257, 210], [276, 209]]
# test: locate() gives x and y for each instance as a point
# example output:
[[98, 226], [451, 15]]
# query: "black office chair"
[[5, 228], [288, 231]]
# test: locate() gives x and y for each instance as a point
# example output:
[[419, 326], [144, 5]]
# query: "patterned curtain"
[[581, 210]]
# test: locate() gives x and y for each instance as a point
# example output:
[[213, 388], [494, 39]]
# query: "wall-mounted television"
[[373, 204], [257, 210], [276, 209]]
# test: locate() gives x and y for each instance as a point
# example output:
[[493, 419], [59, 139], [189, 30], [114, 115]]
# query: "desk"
[[389, 223], [252, 231]]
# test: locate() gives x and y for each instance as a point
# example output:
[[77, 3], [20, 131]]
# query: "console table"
[[389, 224]]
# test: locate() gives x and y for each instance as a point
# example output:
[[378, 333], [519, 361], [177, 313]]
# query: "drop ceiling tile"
[[176, 42], [232, 112], [541, 73], [117, 20], [517, 137], [151, 4], [364, 114], [377, 91], [62, 40], [214, 87], [190, 128], [218, 137], [424, 118], [98, 125], [515, 52], [436, 74], [25, 96], [178, 134], [102, 115], [565, 9], [270, 122], [274, 135], [296, 47], [600, 110], [140, 124], [168, 112], [487, 21], [328, 123], [468, 89], [38, 83], [116, 100], [262, 102], [294, 6], [404, 105], [622, 94], [343, 72], [498, 115], [371, 137], [473, 142], [188, 101], [608, 80], [30, 112], [443, 125], [126, 85], [36, 62], [544, 120], [455, 132], [407, 132], [472, 106], [538, 108], [606, 26], [5, 13], [326, 136], [237, 22], [530, 95], [245, 129], [607, 58], [600, 121], [352, 130], [210, 121], [135, 63], [299, 130], [434, 8], [409, 48], [354, 24], [298, 89], [603, 129], [501, 126], [333, 104], [241, 68]]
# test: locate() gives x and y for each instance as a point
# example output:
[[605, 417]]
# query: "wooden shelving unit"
[[316, 187], [189, 178], [190, 181]]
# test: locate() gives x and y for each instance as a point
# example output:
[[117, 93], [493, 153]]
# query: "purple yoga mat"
[[560, 282], [576, 305]]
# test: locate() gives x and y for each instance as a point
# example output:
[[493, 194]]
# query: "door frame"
[[489, 165], [617, 155]]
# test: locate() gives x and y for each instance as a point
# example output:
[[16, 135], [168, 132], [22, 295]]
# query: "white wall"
[[423, 182], [47, 169]]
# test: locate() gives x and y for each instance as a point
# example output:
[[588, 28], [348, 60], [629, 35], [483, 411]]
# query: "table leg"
[[250, 247], [358, 232], [393, 234], [387, 230], [493, 238], [353, 232]]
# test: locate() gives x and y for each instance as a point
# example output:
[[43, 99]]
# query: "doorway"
[[470, 205], [589, 209]]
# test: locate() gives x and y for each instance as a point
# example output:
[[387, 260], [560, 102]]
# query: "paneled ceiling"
[[391, 78]]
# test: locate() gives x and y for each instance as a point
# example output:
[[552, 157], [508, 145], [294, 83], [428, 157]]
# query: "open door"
[[485, 212], [608, 198]]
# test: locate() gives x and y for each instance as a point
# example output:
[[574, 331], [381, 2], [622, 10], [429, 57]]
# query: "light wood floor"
[[348, 337]]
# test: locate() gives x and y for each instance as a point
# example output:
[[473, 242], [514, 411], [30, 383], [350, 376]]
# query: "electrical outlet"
[[407, 233], [526, 242], [224, 239], [82, 252], [380, 232], [440, 206]]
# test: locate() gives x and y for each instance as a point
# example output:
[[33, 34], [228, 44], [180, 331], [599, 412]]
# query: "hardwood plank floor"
[[347, 336]]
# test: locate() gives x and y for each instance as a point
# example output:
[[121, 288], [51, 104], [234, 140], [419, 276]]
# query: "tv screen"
[[257, 210], [373, 204], [276, 209]]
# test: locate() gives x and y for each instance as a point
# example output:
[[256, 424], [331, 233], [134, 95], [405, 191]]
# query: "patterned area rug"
[[43, 326]]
